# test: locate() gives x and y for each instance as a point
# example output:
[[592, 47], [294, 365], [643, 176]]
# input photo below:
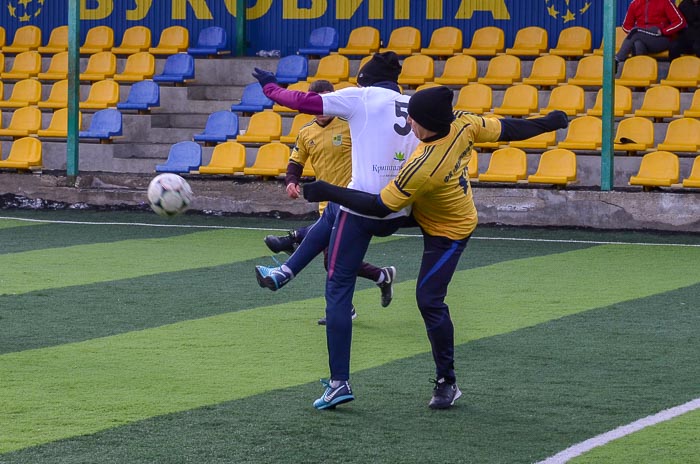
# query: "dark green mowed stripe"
[[528, 395]]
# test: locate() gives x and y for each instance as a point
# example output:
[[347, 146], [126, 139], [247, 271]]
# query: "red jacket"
[[649, 13]]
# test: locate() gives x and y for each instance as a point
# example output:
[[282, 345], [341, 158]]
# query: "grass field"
[[127, 338]]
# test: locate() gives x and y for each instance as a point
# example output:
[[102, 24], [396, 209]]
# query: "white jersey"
[[382, 139]]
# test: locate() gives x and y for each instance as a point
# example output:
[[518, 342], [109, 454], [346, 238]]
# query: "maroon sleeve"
[[294, 171], [305, 102]]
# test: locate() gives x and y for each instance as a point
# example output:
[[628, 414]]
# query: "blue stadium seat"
[[143, 96], [105, 125], [177, 69], [291, 69], [253, 100], [221, 125], [182, 158], [322, 41], [210, 41]]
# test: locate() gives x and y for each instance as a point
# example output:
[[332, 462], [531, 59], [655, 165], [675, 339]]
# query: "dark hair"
[[321, 86]]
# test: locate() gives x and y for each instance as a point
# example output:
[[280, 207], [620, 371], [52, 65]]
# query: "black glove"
[[316, 191], [558, 119], [264, 77]]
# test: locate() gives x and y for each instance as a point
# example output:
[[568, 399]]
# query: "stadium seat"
[[24, 122], [547, 71], [506, 165], [173, 39], [292, 69], [252, 100], [25, 65], [693, 180], [403, 41], [694, 110], [178, 69], [26, 38], [308, 170], [227, 158], [25, 154], [142, 97], [486, 41], [363, 61], [363, 41], [220, 126], [57, 70], [568, 98], [271, 160], [416, 70], [333, 68], [102, 94], [263, 127], [139, 66], [98, 39], [638, 71], [474, 98], [557, 166], [634, 134], [58, 126], [657, 169], [529, 41], [2, 37], [660, 102], [538, 142], [104, 126], [519, 100], [322, 41], [589, 72], [683, 72], [502, 70], [299, 121], [100, 66], [621, 106], [183, 157], [682, 135], [473, 165], [135, 39], [58, 41], [24, 93], [458, 70], [573, 42], [301, 86], [2, 62], [211, 41], [444, 41], [58, 96], [619, 37], [584, 133]]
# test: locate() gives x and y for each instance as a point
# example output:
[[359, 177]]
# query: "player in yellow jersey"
[[435, 182]]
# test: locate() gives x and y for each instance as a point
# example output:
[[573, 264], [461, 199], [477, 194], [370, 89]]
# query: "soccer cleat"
[[387, 285], [444, 394], [284, 243], [332, 397], [273, 278], [353, 313]]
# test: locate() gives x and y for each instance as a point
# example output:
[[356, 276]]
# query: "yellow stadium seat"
[[474, 98], [25, 154], [557, 166], [57, 70], [657, 169], [58, 41], [473, 165], [135, 39], [660, 102], [138, 67], [502, 70], [2, 37], [547, 71], [683, 72], [2, 62], [24, 93], [427, 85], [589, 72], [444, 41], [26, 65], [308, 170], [573, 42], [58, 127], [299, 121], [26, 38], [100, 66], [538, 142], [362, 41], [58, 96], [506, 165], [568, 98], [619, 37], [584, 133], [102, 94], [458, 70], [416, 70], [301, 86], [519, 100], [486, 41], [25, 121], [682, 135], [638, 71], [403, 41], [621, 106], [694, 110], [98, 39], [634, 134], [270, 161], [227, 158], [263, 127], [363, 61], [333, 68], [529, 41], [173, 39], [693, 180]]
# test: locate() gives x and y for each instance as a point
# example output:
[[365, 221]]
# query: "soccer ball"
[[169, 194]]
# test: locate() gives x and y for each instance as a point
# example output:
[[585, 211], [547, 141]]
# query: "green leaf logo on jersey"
[[399, 156], [337, 140]]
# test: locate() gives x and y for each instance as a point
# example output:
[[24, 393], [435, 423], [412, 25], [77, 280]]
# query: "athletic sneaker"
[[353, 313], [284, 243], [273, 278], [332, 397], [444, 394], [387, 285]]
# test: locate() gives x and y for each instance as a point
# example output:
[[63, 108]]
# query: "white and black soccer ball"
[[169, 194]]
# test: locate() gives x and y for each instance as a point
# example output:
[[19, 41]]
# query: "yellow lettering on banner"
[[402, 9], [498, 8], [141, 10], [346, 9], [103, 9], [434, 9], [291, 10], [256, 11], [200, 8]]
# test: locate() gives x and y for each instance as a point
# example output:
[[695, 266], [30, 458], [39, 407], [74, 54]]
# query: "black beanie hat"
[[382, 67], [432, 108]]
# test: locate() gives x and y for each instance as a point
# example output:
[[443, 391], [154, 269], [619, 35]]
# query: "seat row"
[[104, 125]]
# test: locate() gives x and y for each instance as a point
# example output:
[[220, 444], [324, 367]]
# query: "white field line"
[[604, 438], [192, 226]]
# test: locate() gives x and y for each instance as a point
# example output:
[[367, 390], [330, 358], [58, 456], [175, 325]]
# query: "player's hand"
[[293, 191], [264, 77], [315, 191], [559, 119]]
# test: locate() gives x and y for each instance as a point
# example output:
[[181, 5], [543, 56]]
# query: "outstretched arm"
[[305, 102], [521, 129], [358, 201]]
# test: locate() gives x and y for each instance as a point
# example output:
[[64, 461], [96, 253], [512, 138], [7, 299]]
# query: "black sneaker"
[[353, 313], [285, 243], [444, 394], [387, 285]]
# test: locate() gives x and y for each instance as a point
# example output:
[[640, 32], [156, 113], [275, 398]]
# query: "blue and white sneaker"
[[332, 397], [273, 278]]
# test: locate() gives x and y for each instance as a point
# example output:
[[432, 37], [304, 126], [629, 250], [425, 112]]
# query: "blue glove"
[[559, 119], [264, 77]]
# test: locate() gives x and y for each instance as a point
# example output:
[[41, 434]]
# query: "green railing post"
[[607, 158], [240, 27], [72, 155]]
